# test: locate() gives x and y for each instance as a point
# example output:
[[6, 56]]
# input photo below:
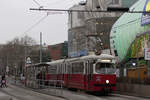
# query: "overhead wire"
[[37, 3], [34, 25], [43, 18], [94, 11], [104, 11], [86, 11]]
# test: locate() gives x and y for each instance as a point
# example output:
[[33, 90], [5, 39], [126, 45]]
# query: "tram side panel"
[[76, 78], [84, 75]]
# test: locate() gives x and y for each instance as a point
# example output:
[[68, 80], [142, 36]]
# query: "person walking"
[[3, 81]]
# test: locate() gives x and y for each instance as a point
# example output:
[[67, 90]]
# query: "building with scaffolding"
[[89, 31]]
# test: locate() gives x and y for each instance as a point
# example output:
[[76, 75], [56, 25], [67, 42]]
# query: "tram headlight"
[[107, 81]]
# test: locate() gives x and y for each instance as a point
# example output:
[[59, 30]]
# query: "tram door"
[[88, 71]]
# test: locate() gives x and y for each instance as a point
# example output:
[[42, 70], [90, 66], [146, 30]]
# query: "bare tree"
[[13, 53]]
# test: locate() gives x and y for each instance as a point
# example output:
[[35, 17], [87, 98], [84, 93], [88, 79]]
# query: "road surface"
[[14, 92], [17, 93]]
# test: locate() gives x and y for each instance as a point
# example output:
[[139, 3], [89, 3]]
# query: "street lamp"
[[134, 64]]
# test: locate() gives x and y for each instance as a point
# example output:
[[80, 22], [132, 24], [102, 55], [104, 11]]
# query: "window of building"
[[113, 41], [116, 53], [114, 46], [115, 2]]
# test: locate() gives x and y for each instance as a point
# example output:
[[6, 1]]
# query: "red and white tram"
[[90, 73]]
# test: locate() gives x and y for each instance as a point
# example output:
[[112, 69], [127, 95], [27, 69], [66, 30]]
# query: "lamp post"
[[15, 74], [40, 47]]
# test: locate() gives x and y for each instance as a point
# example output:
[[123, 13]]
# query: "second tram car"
[[90, 73]]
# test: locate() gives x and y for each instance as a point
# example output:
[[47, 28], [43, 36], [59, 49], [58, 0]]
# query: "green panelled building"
[[130, 34]]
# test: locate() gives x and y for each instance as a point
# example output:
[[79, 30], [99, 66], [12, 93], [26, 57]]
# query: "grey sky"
[[16, 18]]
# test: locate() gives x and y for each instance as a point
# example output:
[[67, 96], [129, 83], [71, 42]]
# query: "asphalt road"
[[14, 92], [74, 95], [17, 93]]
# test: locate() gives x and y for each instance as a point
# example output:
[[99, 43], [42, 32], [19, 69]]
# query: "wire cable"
[[36, 3], [103, 11]]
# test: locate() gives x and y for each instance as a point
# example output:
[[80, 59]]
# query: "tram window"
[[52, 69], [86, 68], [59, 69], [77, 68], [105, 68], [65, 68], [69, 68], [91, 68]]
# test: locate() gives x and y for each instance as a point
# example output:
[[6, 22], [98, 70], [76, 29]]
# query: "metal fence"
[[53, 87]]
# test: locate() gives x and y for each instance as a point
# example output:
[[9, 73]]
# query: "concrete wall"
[[76, 19]]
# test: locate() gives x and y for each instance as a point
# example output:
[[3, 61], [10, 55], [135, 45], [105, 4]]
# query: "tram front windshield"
[[105, 68]]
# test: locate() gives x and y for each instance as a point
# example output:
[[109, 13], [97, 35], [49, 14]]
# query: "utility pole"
[[71, 18], [40, 47], [25, 56]]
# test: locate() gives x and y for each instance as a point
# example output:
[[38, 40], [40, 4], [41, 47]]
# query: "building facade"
[[89, 31], [58, 51], [130, 34]]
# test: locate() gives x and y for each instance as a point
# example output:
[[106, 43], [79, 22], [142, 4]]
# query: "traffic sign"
[[28, 61]]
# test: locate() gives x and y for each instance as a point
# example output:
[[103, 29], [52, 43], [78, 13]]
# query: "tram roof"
[[89, 57], [102, 56], [38, 65], [56, 61]]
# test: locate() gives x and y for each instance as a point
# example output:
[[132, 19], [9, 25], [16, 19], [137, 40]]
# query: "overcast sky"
[[16, 20]]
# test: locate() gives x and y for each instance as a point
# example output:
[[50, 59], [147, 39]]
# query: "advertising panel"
[[146, 16], [138, 46], [147, 53]]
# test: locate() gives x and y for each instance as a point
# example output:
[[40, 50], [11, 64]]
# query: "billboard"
[[147, 54], [138, 46], [146, 16]]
